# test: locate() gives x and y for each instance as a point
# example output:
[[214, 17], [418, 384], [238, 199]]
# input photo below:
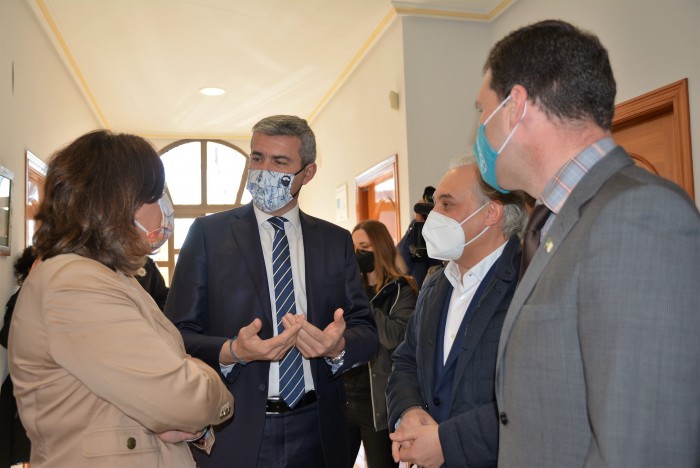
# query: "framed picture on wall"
[[36, 175], [6, 180]]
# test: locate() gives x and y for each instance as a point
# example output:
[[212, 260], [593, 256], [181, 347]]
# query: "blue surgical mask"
[[486, 155]]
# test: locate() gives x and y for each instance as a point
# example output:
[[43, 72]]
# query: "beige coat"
[[99, 371]]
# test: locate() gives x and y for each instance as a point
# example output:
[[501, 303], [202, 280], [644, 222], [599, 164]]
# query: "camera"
[[417, 248]]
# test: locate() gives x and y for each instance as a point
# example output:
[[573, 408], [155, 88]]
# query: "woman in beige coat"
[[101, 376]]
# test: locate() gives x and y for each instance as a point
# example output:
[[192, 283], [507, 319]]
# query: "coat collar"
[[570, 214]]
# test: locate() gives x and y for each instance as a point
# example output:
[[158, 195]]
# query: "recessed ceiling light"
[[212, 91]]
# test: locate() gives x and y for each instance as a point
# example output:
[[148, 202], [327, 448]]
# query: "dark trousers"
[[377, 445], [14, 443], [292, 440]]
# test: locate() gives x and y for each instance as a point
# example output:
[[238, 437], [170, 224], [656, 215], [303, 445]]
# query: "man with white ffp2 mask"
[[448, 358]]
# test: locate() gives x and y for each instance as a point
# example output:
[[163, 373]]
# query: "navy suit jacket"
[[220, 285], [469, 435]]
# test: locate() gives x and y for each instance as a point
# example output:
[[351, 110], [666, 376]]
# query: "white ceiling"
[[140, 63]]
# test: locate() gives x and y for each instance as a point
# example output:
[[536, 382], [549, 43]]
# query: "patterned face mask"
[[159, 236], [271, 190]]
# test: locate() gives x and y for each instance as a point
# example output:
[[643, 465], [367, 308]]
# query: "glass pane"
[[182, 227], [224, 170], [384, 190], [161, 255], [246, 197], [183, 169], [165, 271]]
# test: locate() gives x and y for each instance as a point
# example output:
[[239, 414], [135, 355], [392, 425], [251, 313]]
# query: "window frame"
[[203, 208]]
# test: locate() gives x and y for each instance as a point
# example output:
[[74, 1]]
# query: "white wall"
[[651, 43], [42, 111], [357, 129], [443, 60]]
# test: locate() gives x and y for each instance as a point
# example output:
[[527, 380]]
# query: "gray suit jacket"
[[599, 358]]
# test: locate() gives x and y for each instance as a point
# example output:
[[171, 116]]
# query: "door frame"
[[673, 98]]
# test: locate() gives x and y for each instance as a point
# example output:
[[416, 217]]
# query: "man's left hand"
[[313, 342], [424, 447]]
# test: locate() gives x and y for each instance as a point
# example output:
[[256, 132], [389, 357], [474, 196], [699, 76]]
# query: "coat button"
[[131, 443], [504, 418], [436, 400], [262, 387], [225, 411]]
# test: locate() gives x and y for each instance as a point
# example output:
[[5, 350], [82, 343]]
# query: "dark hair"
[[290, 125], [93, 188], [387, 260], [566, 71], [23, 264], [515, 203]]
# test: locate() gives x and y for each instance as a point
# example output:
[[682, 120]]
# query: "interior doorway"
[[654, 128], [377, 191]]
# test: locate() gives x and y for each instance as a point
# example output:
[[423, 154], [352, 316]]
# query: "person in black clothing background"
[[14, 443], [412, 245], [392, 295], [150, 278]]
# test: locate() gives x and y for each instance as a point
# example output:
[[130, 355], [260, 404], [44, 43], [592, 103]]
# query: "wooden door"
[[655, 130]]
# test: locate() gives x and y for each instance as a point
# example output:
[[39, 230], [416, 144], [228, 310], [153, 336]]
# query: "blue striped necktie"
[[291, 369]]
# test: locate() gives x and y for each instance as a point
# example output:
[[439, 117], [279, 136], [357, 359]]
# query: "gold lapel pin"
[[548, 245]]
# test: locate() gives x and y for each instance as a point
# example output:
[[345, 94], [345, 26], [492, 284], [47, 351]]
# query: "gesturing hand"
[[250, 347], [313, 342]]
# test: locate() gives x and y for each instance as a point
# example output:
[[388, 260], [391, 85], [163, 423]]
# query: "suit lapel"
[[430, 321], [560, 228], [244, 228], [494, 292]]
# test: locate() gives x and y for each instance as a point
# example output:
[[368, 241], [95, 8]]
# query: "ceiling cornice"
[[356, 60], [55, 36], [409, 9]]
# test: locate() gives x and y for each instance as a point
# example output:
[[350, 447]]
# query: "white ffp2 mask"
[[444, 237]]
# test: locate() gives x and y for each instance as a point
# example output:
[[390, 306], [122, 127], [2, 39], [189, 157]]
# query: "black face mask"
[[365, 259]]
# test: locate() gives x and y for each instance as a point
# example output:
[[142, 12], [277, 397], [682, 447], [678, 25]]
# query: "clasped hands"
[[311, 341], [416, 440]]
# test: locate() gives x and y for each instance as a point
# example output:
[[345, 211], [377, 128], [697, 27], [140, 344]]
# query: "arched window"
[[203, 177]]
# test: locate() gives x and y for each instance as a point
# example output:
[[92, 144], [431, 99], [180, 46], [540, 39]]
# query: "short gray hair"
[[290, 125], [514, 212]]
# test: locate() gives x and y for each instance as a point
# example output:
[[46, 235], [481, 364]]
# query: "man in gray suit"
[[599, 357]]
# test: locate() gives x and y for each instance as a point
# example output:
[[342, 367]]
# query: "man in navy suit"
[[441, 396], [224, 299]]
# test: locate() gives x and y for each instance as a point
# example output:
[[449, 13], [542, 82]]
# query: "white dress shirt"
[[292, 228], [465, 287]]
